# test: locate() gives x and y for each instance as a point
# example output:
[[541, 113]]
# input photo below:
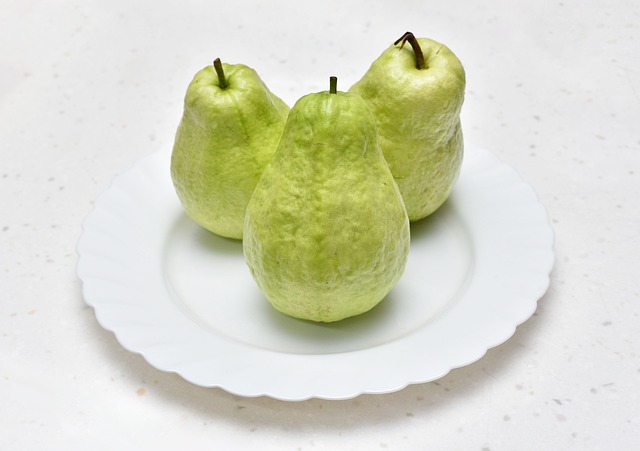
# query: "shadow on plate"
[[205, 239], [424, 227]]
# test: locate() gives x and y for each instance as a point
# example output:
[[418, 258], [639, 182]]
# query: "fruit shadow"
[[350, 334], [210, 242], [205, 239], [423, 228]]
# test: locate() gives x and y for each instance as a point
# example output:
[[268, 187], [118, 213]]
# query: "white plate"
[[184, 299]]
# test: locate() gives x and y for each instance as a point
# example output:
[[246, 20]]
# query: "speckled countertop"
[[88, 88]]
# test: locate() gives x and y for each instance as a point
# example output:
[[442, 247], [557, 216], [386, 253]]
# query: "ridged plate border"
[[120, 265]]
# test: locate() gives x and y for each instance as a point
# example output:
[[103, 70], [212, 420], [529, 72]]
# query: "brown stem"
[[408, 36], [222, 81], [333, 85]]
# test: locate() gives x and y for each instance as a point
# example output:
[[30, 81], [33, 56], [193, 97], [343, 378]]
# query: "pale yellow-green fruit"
[[417, 112], [326, 234], [225, 139]]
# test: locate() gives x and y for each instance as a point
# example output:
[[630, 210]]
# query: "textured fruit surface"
[[418, 117], [225, 139], [326, 233]]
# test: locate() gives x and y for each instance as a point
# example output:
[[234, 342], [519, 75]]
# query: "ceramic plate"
[[184, 299]]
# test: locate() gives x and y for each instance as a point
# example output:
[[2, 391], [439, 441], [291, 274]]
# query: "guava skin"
[[224, 140], [326, 234], [417, 112]]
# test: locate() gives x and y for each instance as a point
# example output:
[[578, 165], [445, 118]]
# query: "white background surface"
[[87, 88]]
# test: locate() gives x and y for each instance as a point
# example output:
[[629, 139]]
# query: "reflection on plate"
[[184, 298]]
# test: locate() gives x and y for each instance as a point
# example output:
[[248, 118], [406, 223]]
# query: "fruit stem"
[[408, 36], [333, 85], [221, 78]]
